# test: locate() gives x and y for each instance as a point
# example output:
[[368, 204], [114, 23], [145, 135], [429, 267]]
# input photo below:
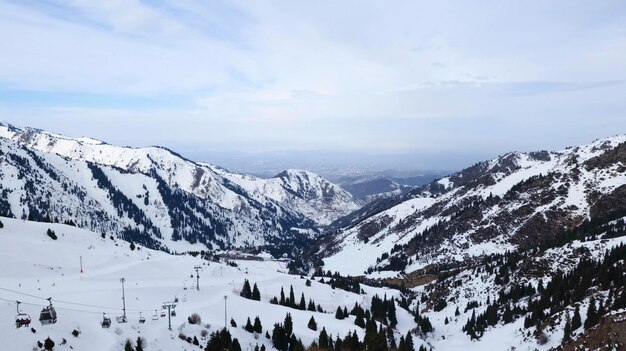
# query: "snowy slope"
[[36, 266], [515, 200], [163, 196], [301, 190]]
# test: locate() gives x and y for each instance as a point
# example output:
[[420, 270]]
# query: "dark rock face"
[[608, 158], [609, 204]]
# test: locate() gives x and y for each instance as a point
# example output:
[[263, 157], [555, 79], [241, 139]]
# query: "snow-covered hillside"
[[35, 267], [303, 191], [155, 196], [515, 200]]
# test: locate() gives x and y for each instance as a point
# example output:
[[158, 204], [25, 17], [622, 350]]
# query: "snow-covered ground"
[[35, 267]]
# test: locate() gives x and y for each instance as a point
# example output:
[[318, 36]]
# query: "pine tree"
[[128, 346], [246, 292], [339, 313], [292, 298], [507, 316], [302, 305], [288, 324], [567, 329], [140, 343], [323, 339], [256, 294], [312, 324], [248, 327], [359, 321], [576, 321], [409, 342], [235, 346], [391, 339], [258, 328], [370, 340], [591, 314], [279, 339], [282, 297], [311, 306]]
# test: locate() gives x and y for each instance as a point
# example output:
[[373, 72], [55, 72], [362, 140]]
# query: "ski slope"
[[35, 267]]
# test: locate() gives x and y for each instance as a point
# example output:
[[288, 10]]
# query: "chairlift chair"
[[175, 299], [173, 313], [155, 316], [106, 321], [163, 312], [21, 319], [121, 319], [142, 319], [185, 298], [48, 314]]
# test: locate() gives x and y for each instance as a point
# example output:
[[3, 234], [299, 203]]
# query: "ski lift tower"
[[122, 280], [197, 277], [169, 306]]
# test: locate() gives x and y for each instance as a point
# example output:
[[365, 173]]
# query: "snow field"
[[36, 267]]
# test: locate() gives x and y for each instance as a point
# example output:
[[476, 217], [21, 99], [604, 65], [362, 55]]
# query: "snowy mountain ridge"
[[157, 193], [515, 200]]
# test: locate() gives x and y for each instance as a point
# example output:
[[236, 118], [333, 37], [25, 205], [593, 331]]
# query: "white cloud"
[[285, 75]]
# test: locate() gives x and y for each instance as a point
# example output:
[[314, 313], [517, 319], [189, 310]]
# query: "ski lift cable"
[[73, 303], [58, 308]]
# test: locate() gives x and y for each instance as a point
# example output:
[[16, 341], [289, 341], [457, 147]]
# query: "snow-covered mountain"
[[516, 200], [155, 196], [301, 190]]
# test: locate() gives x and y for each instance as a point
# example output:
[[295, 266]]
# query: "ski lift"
[[175, 299], [48, 314], [163, 312], [121, 319], [142, 319], [155, 316], [21, 319], [173, 313], [106, 321]]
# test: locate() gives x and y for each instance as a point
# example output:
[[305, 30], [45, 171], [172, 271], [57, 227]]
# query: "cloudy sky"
[[412, 84]]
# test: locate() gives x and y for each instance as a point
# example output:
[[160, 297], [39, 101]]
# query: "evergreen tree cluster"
[[375, 339], [290, 301], [384, 311], [573, 287], [222, 341], [359, 314], [250, 293], [537, 304], [336, 281], [283, 338], [254, 328]]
